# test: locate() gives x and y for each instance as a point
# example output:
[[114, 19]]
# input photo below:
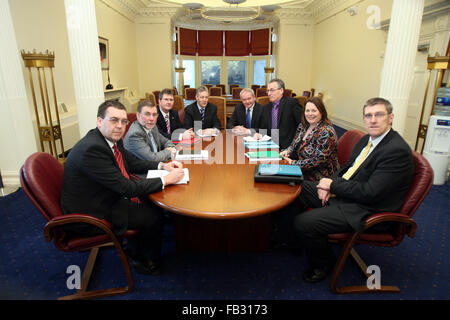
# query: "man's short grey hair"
[[280, 83], [201, 89], [378, 100], [250, 90]]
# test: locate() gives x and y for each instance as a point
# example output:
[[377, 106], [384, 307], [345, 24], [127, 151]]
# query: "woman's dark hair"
[[320, 106]]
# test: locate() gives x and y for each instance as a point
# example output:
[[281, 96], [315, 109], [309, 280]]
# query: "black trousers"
[[146, 217], [300, 226]]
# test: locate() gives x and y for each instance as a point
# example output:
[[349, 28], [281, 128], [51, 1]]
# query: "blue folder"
[[280, 169]]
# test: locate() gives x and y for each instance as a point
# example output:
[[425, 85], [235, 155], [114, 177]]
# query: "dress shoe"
[[144, 266], [313, 275]]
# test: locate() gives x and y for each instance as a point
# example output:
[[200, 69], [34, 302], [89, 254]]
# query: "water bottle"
[[442, 105]]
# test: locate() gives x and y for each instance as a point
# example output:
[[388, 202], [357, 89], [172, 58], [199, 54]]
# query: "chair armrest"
[[76, 218], [411, 225]]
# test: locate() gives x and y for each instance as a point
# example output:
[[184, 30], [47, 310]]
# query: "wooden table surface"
[[223, 187]]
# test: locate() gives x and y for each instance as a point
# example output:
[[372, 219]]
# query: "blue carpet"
[[30, 268]]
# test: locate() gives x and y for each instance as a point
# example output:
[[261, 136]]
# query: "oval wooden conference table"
[[222, 208]]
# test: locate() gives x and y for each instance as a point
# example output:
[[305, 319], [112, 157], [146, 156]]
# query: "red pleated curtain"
[[188, 42], [259, 42], [210, 42], [237, 43]]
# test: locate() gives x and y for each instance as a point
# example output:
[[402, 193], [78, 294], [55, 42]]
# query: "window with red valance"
[[211, 42]]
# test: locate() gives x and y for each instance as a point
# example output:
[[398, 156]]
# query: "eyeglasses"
[[273, 90], [116, 121], [378, 115]]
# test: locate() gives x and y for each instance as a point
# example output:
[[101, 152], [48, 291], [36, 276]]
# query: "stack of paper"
[[251, 139], [189, 154], [261, 145], [210, 133], [263, 155], [162, 173]]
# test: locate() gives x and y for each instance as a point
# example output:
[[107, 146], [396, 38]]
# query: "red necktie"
[[119, 159]]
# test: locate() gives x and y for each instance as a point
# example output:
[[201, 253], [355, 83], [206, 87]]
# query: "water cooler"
[[437, 146]]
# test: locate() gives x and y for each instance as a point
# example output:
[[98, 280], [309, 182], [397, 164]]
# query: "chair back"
[[347, 143], [156, 94], [208, 85], [421, 186], [261, 92], [178, 103], [151, 97], [221, 104], [307, 94], [224, 91], [175, 91], [41, 178], [312, 92], [131, 118], [189, 93], [181, 115], [233, 86], [287, 93], [215, 91], [254, 87], [263, 100], [236, 93], [301, 100]]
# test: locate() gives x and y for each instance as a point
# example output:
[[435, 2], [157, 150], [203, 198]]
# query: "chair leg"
[[82, 293], [346, 251]]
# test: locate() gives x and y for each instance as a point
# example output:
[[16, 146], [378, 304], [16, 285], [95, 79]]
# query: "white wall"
[[154, 52], [121, 34], [294, 55], [347, 62]]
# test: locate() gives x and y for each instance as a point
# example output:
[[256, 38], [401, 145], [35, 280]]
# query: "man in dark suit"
[[202, 112], [97, 182], [376, 178], [168, 119], [281, 116], [247, 115]]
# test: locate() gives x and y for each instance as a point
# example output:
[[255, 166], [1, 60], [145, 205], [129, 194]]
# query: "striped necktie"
[[202, 113], [358, 163], [167, 123], [275, 116], [119, 159]]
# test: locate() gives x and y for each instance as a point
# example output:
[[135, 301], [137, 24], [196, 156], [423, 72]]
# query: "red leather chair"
[[405, 225], [235, 93], [346, 144], [224, 91], [131, 118], [41, 178], [189, 93], [287, 93], [215, 91], [261, 92], [181, 115], [156, 94]]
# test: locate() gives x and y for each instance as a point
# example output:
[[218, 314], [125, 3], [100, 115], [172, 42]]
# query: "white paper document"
[[192, 155], [264, 138], [212, 133], [162, 173]]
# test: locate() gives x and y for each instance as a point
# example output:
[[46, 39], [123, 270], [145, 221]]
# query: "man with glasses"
[[281, 116], [143, 138], [376, 178], [247, 115], [97, 181]]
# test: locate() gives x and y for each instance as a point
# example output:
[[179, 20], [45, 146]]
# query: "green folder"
[[264, 154]]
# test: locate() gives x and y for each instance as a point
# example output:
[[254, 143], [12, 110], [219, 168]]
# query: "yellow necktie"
[[356, 165]]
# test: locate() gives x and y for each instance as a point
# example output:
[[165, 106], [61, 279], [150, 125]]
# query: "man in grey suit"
[[143, 138]]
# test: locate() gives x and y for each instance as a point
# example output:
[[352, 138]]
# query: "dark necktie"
[[119, 159], [202, 113], [275, 117], [248, 119]]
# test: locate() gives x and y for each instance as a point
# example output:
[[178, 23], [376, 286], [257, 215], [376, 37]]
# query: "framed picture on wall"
[[104, 52]]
